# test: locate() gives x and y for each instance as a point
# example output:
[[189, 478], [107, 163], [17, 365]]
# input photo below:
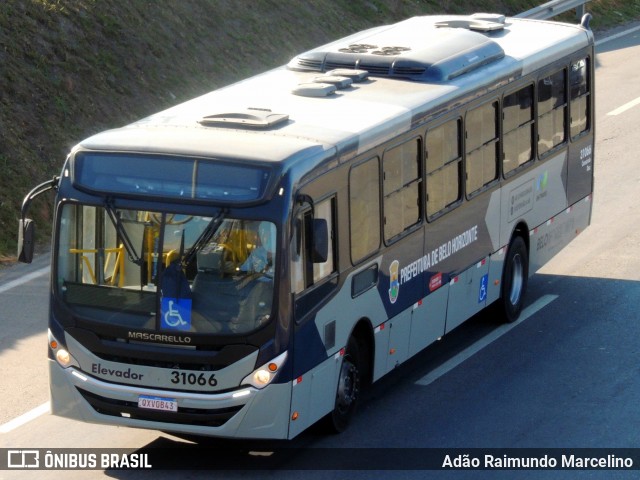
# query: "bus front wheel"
[[514, 280], [348, 391]]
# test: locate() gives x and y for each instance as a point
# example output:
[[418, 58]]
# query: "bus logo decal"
[[541, 185], [435, 282], [394, 283]]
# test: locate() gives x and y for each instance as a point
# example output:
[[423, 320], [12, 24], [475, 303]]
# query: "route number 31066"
[[201, 379]]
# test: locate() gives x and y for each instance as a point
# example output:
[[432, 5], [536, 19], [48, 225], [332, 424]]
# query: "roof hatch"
[[260, 118]]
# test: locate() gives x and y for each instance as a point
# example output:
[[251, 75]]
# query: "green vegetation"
[[71, 68]]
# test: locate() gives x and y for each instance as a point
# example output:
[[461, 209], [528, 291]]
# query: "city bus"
[[245, 264]]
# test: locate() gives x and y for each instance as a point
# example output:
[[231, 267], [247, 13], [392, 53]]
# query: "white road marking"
[[25, 418], [22, 280], [480, 344], [616, 36], [625, 107], [602, 41], [45, 407]]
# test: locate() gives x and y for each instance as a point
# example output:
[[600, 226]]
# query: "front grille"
[[189, 416], [199, 358]]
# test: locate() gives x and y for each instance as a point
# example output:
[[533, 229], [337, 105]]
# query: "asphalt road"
[[567, 375]]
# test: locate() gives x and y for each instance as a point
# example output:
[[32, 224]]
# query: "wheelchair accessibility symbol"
[[175, 313], [482, 293]]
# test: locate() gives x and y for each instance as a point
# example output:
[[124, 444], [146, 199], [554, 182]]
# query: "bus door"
[[314, 282]]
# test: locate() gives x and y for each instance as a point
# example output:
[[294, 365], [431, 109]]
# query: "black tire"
[[349, 388], [514, 280]]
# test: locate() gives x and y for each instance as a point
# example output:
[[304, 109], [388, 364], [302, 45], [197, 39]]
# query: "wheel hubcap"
[[347, 386]]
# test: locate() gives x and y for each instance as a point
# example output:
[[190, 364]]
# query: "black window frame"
[[531, 123], [542, 154], [386, 195], [352, 222], [496, 141], [459, 160]]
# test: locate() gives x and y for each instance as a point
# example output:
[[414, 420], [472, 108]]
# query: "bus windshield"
[[180, 273]]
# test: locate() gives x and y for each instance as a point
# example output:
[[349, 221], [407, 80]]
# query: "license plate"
[[158, 403]]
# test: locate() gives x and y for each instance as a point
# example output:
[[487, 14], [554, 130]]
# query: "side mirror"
[[26, 240], [320, 241], [27, 232]]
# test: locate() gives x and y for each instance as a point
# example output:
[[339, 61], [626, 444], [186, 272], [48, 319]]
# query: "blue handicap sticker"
[[482, 293], [175, 313]]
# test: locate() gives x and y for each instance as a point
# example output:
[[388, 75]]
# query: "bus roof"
[[416, 68]]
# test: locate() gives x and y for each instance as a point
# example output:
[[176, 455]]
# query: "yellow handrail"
[[118, 265]]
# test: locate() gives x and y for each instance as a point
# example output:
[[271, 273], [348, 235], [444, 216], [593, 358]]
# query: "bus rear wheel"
[[514, 280], [348, 391]]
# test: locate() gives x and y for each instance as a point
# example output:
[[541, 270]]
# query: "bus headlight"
[[263, 376], [62, 355]]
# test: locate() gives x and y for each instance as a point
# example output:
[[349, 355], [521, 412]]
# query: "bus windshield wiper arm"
[[122, 232], [204, 237]]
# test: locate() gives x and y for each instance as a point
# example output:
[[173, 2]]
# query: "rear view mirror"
[[27, 233], [320, 241], [26, 240]]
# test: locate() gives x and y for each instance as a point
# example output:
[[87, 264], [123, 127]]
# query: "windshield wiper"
[[122, 233], [204, 237]]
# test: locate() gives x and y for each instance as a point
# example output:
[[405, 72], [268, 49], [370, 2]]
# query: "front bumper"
[[246, 412]]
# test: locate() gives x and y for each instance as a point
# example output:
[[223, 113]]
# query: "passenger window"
[[401, 188], [482, 146], [444, 167], [579, 85], [364, 209], [518, 128], [552, 106]]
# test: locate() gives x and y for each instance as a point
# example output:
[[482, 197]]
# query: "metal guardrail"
[[553, 8]]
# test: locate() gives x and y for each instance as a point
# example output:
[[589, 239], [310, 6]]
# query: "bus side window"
[[552, 105], [482, 146], [444, 167], [304, 271], [401, 188], [579, 89], [364, 209], [518, 127]]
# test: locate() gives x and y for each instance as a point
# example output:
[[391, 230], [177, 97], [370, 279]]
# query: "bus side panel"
[[313, 395], [427, 324], [496, 267], [399, 330], [580, 176], [315, 386], [535, 196], [381, 339], [557, 232], [467, 294]]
